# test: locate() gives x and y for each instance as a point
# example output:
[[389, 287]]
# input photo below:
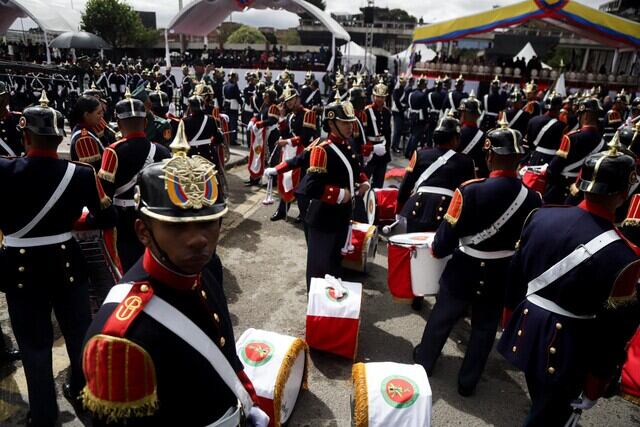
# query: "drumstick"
[[387, 228]]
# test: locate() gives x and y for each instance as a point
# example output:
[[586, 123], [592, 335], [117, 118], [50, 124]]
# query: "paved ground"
[[264, 282]]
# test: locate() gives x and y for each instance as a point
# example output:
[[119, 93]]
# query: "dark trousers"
[[445, 314], [30, 313], [129, 247], [323, 252], [375, 169], [550, 404], [416, 140], [398, 125], [233, 127]]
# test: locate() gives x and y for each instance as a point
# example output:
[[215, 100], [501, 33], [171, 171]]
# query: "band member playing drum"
[[430, 180], [334, 171], [481, 228]]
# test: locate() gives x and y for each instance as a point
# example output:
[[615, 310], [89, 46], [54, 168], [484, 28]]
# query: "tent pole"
[[585, 60], [166, 49], [46, 43], [333, 51], [614, 62]]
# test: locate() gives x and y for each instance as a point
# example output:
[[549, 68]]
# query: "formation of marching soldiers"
[[479, 172]]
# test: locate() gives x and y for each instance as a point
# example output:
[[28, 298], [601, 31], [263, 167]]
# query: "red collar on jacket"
[[166, 276], [596, 209], [503, 173], [336, 139], [589, 127], [36, 152], [470, 124], [132, 135]]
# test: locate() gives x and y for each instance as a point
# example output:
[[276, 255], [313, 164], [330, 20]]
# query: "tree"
[[289, 37], [397, 15], [117, 23], [247, 34]]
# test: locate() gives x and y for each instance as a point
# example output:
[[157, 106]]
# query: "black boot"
[[416, 304], [281, 213]]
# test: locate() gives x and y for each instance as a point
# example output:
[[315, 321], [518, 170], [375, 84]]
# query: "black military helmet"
[[608, 172], [589, 104], [460, 81], [495, 82], [342, 111], [629, 137], [553, 102], [196, 103], [516, 95], [130, 107], [159, 101], [621, 97], [470, 104], [42, 119], [357, 97], [635, 104], [504, 140], [448, 125], [93, 91], [181, 189], [4, 89]]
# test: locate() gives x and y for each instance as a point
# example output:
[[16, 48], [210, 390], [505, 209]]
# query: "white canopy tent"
[[353, 53], [405, 56], [200, 17], [51, 19], [527, 53]]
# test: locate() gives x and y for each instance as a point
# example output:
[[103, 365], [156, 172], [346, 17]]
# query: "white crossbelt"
[[543, 131], [473, 142], [347, 165], [435, 190], [548, 151], [174, 320], [233, 104], [248, 108], [231, 418], [199, 142], [484, 254], [568, 170], [310, 97], [16, 239], [515, 118], [126, 187], [419, 112], [374, 123], [500, 222], [440, 161], [453, 107], [205, 120], [551, 306], [433, 107], [6, 148]]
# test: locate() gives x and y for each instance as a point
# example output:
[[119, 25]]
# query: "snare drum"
[[364, 238], [413, 271]]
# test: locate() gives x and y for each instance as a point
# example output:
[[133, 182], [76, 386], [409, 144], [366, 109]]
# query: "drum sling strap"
[[348, 246], [515, 118], [564, 266], [473, 142], [179, 324], [6, 148], [126, 187], [310, 97], [17, 239], [440, 161], [196, 141], [568, 170]]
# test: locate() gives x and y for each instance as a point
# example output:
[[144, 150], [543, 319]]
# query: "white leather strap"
[[551, 306], [571, 261], [199, 142], [544, 130], [64, 183], [568, 170], [435, 190], [515, 118], [433, 107], [473, 142], [173, 319], [433, 167], [205, 119], [347, 165], [374, 122], [453, 107], [231, 418], [548, 151], [29, 242], [6, 148], [500, 222], [310, 97], [126, 187], [484, 254]]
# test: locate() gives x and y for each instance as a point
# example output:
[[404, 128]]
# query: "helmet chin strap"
[[337, 129], [161, 255]]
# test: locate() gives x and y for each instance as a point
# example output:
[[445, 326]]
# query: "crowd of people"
[[523, 189]]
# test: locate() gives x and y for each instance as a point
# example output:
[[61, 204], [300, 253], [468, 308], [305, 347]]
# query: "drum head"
[[371, 206], [413, 239]]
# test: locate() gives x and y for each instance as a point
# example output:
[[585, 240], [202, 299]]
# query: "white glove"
[[257, 417], [367, 159], [583, 402], [379, 149], [270, 172]]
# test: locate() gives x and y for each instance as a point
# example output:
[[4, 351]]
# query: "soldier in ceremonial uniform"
[[157, 129], [545, 132], [121, 163], [159, 108], [494, 102], [480, 231], [86, 117], [186, 87], [571, 269], [267, 118], [144, 348], [334, 171], [248, 94], [532, 106], [567, 114], [41, 262], [634, 112], [339, 88], [616, 115], [398, 108], [517, 117], [574, 149], [418, 114], [455, 96], [378, 134], [232, 102], [202, 132], [471, 136], [10, 140]]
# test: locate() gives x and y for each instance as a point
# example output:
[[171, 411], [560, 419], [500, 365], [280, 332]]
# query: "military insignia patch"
[[399, 391], [331, 294], [191, 187], [22, 123], [455, 208], [257, 353]]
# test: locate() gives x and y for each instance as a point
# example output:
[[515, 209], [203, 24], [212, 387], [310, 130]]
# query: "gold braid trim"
[[316, 169], [617, 302], [562, 153], [105, 202], [631, 398], [296, 347], [631, 222], [117, 411], [360, 395], [89, 159]]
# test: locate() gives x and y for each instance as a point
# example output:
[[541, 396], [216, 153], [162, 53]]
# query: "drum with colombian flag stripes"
[[390, 394], [333, 316], [412, 269], [364, 238], [276, 364]]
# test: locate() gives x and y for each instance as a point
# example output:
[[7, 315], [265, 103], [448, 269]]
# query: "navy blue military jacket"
[[436, 97], [427, 210], [456, 96], [28, 183], [520, 119], [418, 101], [550, 140], [193, 123], [476, 205], [10, 137], [468, 134], [231, 91], [189, 390], [398, 100]]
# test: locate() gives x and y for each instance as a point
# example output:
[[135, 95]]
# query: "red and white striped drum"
[[413, 271], [364, 238]]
